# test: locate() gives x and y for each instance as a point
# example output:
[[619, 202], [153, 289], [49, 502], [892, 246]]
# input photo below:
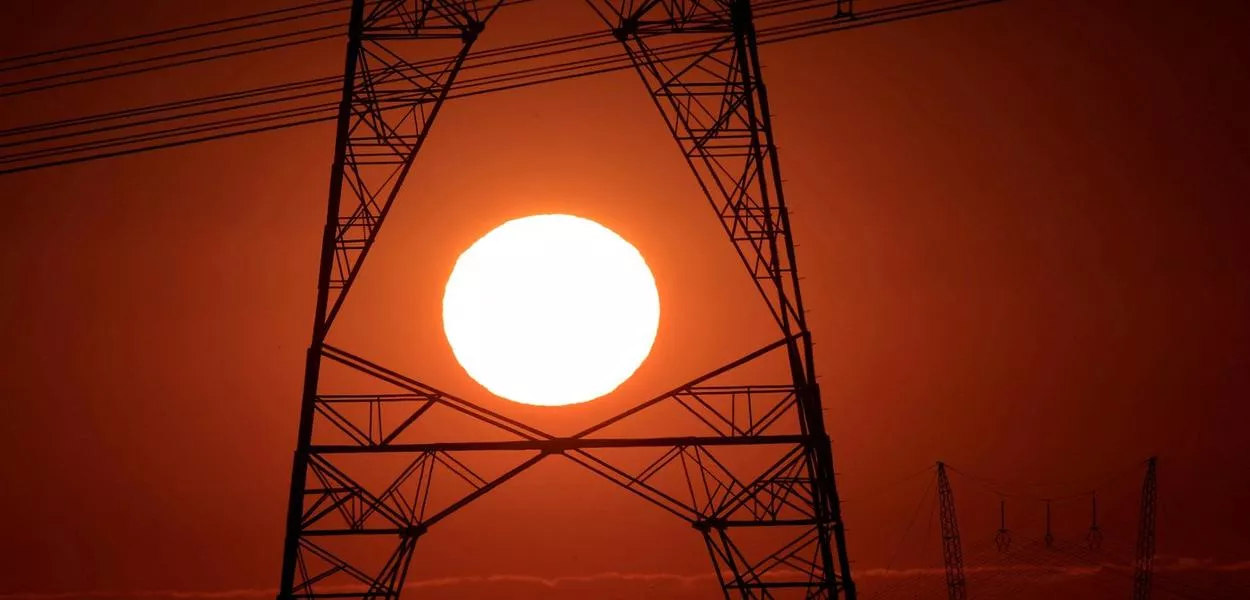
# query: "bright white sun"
[[551, 310]]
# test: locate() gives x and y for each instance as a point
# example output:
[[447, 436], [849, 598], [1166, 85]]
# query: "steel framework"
[[1143, 563], [1094, 538], [1049, 537], [362, 482], [952, 548], [1002, 538]]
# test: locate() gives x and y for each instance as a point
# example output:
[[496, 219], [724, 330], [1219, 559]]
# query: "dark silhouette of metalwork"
[[1018, 564], [1094, 538], [952, 549], [1002, 539], [295, 103], [362, 492], [1143, 563], [1049, 538]]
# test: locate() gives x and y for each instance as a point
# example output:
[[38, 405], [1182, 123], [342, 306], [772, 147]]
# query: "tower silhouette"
[[952, 547], [368, 481], [1143, 562]]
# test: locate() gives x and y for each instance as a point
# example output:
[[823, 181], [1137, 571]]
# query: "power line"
[[160, 135], [234, 49], [151, 38], [127, 126], [998, 487], [599, 39], [467, 87], [144, 42], [172, 106], [167, 145], [924, 500]]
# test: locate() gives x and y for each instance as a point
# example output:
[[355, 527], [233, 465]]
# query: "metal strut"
[[716, 107], [299, 469], [952, 550], [1049, 538], [1143, 564], [388, 103], [362, 492], [1094, 537], [1002, 539]]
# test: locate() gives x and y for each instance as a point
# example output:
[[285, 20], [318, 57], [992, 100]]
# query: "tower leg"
[[343, 532], [952, 549], [1143, 564], [716, 106]]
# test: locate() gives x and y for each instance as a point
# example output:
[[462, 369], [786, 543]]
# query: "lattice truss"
[[749, 467]]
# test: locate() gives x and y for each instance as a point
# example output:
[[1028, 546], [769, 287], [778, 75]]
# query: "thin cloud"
[[1186, 563], [561, 580], [1177, 564], [938, 571], [238, 594]]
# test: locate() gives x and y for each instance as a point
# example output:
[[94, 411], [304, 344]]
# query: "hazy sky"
[[1022, 230]]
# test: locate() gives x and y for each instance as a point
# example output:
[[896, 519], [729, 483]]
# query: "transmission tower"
[[1002, 539], [952, 550], [1049, 538], [1094, 538], [362, 493], [1143, 564]]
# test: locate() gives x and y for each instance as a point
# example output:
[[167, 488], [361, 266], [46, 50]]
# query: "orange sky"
[[1022, 230]]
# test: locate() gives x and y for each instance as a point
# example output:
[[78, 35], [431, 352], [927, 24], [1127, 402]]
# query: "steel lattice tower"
[[1143, 563], [351, 532], [952, 548]]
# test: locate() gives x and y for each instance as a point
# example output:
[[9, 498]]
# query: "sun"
[[551, 310]]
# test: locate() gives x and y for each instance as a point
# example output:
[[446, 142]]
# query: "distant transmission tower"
[[1002, 539], [1094, 538], [1143, 565], [1049, 538], [952, 549], [362, 494]]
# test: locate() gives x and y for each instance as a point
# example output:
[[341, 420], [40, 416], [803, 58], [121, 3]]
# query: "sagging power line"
[[303, 102]]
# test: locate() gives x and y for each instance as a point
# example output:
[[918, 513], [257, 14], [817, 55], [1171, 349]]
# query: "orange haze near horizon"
[[1022, 231]]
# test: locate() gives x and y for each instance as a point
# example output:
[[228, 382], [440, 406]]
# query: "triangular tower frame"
[[699, 61]]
